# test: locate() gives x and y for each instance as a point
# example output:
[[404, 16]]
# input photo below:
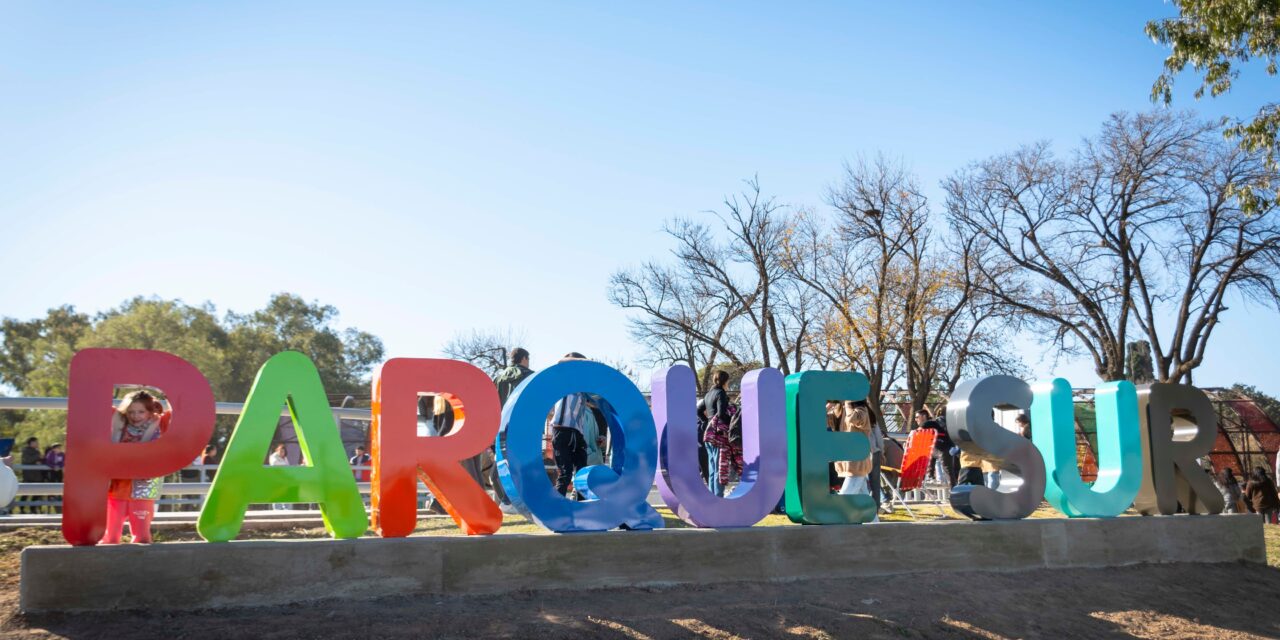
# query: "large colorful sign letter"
[[812, 448], [1119, 448], [399, 453], [94, 375], [970, 423], [621, 490], [1181, 426], [288, 378], [764, 445]]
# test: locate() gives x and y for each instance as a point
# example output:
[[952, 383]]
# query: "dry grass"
[[1272, 534]]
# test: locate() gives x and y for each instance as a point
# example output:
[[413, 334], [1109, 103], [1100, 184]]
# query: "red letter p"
[[95, 460]]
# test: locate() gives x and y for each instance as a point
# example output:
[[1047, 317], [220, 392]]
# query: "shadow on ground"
[[1151, 601]]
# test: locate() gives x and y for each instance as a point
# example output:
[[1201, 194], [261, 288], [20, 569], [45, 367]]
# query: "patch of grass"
[[1271, 533]]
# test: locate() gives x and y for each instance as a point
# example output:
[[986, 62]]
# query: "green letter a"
[[288, 378]]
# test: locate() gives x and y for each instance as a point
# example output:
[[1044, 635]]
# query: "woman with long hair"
[[851, 417], [1232, 494], [1261, 494]]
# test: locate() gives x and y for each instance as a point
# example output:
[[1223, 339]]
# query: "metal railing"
[[174, 492], [221, 408]]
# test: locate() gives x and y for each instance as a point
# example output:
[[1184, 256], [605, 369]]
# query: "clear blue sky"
[[429, 169]]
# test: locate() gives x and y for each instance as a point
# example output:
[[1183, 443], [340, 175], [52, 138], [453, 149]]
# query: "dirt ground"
[[1154, 601]]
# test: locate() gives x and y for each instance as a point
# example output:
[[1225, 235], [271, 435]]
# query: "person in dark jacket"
[[31, 455], [517, 370], [507, 380], [946, 468], [1261, 496], [716, 403]]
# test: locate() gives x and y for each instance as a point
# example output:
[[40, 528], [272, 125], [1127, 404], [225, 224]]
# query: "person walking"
[[507, 381], [509, 378], [1232, 493], [568, 440], [716, 403], [1261, 495]]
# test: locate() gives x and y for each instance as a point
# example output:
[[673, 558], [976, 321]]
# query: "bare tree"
[[897, 307], [854, 265], [679, 321], [727, 297], [955, 331], [1135, 232], [486, 349], [1209, 247]]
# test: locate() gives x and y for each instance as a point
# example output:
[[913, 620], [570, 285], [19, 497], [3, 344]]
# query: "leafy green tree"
[[1267, 403], [191, 333], [35, 354], [28, 347], [1212, 36], [288, 323]]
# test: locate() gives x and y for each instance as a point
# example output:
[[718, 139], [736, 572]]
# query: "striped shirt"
[[569, 410]]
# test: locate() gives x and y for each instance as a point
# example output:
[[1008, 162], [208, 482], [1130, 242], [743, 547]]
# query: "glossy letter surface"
[[620, 489], [1181, 426], [764, 449], [95, 460], [812, 447], [1119, 448], [400, 456], [287, 379], [971, 424]]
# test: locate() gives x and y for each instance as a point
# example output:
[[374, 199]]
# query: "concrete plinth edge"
[[268, 572]]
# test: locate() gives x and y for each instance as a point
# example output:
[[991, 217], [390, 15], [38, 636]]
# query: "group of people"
[[40, 465], [1257, 495], [720, 435], [963, 463], [50, 457], [577, 436]]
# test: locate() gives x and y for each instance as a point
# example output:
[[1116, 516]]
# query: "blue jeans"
[[713, 470], [992, 480]]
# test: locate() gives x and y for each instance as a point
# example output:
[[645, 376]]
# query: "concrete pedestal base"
[[198, 575]]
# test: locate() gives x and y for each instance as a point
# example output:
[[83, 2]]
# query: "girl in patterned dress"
[[140, 418]]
